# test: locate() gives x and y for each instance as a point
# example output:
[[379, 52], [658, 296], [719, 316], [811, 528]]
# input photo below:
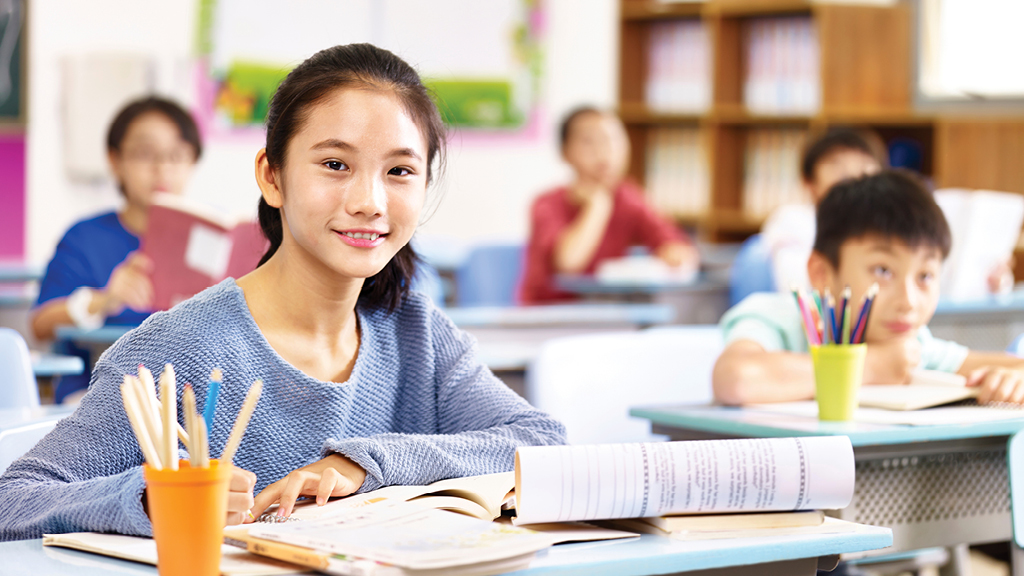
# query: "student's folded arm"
[[85, 475], [976, 359], [746, 373], [481, 422]]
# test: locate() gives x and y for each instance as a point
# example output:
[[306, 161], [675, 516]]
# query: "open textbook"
[[607, 481], [985, 227], [407, 535], [927, 388], [477, 496]]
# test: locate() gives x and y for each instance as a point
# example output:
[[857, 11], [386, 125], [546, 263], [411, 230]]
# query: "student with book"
[[884, 229], [599, 216], [95, 277], [364, 382]]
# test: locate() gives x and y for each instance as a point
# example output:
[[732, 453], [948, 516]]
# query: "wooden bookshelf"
[[865, 60]]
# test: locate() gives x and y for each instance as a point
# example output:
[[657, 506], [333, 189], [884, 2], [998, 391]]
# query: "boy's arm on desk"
[[746, 373], [1000, 375]]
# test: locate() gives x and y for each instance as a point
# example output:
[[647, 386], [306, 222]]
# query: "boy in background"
[[597, 217], [884, 229]]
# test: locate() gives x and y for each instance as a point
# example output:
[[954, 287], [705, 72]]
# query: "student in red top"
[[597, 217]]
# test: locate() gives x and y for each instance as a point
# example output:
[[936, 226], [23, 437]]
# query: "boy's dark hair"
[[841, 138], [360, 66], [891, 204], [175, 113], [566, 126]]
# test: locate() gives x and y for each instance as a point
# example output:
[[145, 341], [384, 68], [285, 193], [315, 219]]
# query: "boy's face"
[[907, 277], [839, 165], [597, 148]]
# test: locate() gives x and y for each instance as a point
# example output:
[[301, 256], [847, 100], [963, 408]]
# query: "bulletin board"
[[12, 34], [482, 59]]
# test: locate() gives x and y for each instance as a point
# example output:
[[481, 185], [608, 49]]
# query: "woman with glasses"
[[96, 278]]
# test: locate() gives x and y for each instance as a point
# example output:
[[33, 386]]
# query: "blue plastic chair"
[[17, 381], [490, 276], [751, 270], [1017, 346]]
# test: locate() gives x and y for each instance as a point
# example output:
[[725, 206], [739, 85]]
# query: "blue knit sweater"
[[417, 408]]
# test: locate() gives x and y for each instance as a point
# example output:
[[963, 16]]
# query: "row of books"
[[679, 68], [678, 178], [782, 75], [771, 175]]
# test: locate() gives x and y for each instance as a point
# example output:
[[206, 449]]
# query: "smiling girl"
[[366, 383]]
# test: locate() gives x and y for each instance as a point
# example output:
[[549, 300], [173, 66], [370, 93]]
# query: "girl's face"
[[153, 158], [353, 181]]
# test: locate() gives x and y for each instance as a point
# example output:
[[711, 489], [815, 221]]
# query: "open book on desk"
[[608, 481], [927, 388], [477, 496]]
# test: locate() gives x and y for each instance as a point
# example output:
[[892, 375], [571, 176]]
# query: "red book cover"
[[193, 247]]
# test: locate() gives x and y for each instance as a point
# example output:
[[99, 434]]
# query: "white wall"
[[488, 186]]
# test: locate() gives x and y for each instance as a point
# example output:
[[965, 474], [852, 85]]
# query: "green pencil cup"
[[838, 373]]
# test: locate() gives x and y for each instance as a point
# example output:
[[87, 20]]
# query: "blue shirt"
[[418, 407], [87, 256]]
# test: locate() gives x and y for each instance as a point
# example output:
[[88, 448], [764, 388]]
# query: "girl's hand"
[[240, 500], [334, 476], [129, 285], [998, 384]]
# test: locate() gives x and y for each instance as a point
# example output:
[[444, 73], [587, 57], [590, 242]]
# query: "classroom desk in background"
[[17, 271], [49, 365], [986, 324], [940, 485], [778, 556], [702, 301]]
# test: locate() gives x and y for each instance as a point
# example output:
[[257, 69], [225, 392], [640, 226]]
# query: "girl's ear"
[[267, 180], [819, 271], [116, 166]]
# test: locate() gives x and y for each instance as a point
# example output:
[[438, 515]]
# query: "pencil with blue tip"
[[212, 393]]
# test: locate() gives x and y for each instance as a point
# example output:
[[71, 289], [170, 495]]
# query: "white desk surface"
[[15, 417], [646, 555]]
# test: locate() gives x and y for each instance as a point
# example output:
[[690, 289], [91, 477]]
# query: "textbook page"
[[604, 481]]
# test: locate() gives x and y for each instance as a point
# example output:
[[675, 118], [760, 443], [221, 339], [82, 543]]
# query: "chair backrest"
[[490, 276], [15, 442], [751, 271], [590, 382], [1017, 346], [17, 381]]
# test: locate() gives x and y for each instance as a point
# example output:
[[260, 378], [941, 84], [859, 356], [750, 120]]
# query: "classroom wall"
[[489, 182]]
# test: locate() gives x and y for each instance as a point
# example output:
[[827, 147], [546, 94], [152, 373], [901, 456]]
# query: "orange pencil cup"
[[187, 508]]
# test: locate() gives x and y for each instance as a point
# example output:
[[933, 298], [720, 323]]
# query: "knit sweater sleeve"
[[480, 424], [85, 475]]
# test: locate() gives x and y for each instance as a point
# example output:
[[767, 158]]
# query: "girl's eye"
[[335, 165], [927, 278], [399, 171]]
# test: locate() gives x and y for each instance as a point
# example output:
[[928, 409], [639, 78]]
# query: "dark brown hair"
[[175, 113], [566, 126], [351, 65], [841, 138], [893, 204]]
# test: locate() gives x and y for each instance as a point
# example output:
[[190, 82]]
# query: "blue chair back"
[[751, 271], [17, 380], [490, 276], [1017, 346]]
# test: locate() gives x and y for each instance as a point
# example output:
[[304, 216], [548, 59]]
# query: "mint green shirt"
[[773, 321]]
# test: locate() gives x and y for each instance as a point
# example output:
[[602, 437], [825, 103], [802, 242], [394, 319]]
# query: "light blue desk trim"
[[591, 285], [738, 422], [106, 335], [18, 297], [47, 365], [646, 555], [18, 417], [20, 272], [561, 315]]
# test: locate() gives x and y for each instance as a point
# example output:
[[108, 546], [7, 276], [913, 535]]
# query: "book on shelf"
[[678, 180], [782, 73], [986, 227], [193, 247], [771, 171], [478, 496], [609, 481], [679, 67], [410, 536]]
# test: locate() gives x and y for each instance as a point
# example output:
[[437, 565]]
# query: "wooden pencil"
[[204, 443], [169, 404], [149, 419], [133, 408], [146, 377], [241, 421], [188, 407]]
